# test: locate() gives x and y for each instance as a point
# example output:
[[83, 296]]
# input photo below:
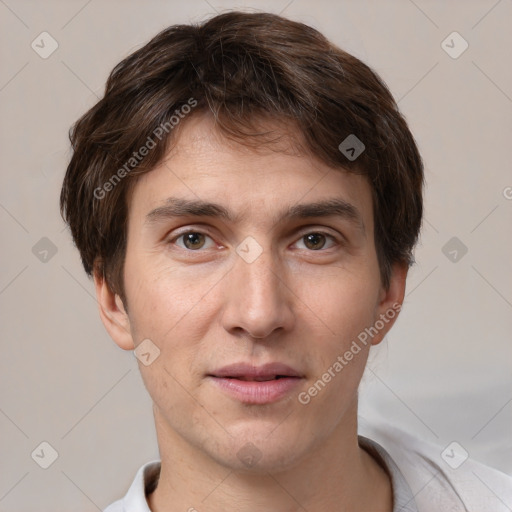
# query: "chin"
[[261, 450]]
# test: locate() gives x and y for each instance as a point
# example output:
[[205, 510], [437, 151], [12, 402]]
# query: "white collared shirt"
[[421, 480]]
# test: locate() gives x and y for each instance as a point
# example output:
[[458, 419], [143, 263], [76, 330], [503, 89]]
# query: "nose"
[[258, 300]]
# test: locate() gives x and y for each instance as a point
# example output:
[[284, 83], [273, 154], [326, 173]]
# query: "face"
[[264, 277]]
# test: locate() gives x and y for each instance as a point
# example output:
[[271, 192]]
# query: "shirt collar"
[[403, 498], [147, 476]]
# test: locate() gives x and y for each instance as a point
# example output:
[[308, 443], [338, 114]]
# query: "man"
[[247, 197]]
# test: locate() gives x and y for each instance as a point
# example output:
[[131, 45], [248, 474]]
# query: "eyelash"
[[323, 233]]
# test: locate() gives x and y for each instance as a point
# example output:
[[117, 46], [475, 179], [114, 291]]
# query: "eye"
[[195, 240], [316, 240], [192, 240]]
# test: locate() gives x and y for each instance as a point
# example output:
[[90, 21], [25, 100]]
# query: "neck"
[[335, 475]]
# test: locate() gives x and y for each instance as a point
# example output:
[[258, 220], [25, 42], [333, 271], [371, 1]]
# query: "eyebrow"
[[178, 207]]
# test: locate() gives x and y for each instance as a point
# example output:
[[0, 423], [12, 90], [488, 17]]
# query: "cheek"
[[342, 303], [340, 307], [339, 357], [162, 296], [162, 302], [166, 306]]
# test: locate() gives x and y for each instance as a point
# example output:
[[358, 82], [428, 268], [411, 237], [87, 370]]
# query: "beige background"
[[444, 372]]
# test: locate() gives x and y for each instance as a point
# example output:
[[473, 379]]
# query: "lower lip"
[[254, 392]]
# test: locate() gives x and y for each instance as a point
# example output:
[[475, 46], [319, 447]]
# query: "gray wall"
[[444, 371]]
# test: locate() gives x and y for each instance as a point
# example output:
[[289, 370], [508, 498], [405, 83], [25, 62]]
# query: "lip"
[[252, 371], [237, 380]]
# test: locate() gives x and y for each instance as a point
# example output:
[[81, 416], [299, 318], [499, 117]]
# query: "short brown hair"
[[240, 67]]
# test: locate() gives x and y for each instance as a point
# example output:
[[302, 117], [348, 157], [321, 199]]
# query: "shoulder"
[[117, 506], [443, 476], [144, 482]]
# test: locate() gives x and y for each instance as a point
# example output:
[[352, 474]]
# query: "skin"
[[297, 303]]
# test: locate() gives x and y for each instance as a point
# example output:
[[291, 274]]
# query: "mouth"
[[256, 385], [247, 371], [261, 379]]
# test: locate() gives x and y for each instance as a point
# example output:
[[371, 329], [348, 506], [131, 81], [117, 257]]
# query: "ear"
[[113, 313], [390, 302]]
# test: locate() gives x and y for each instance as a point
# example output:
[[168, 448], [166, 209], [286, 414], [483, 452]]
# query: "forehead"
[[203, 165]]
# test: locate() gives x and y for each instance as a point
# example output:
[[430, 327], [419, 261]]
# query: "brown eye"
[[192, 240], [314, 241]]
